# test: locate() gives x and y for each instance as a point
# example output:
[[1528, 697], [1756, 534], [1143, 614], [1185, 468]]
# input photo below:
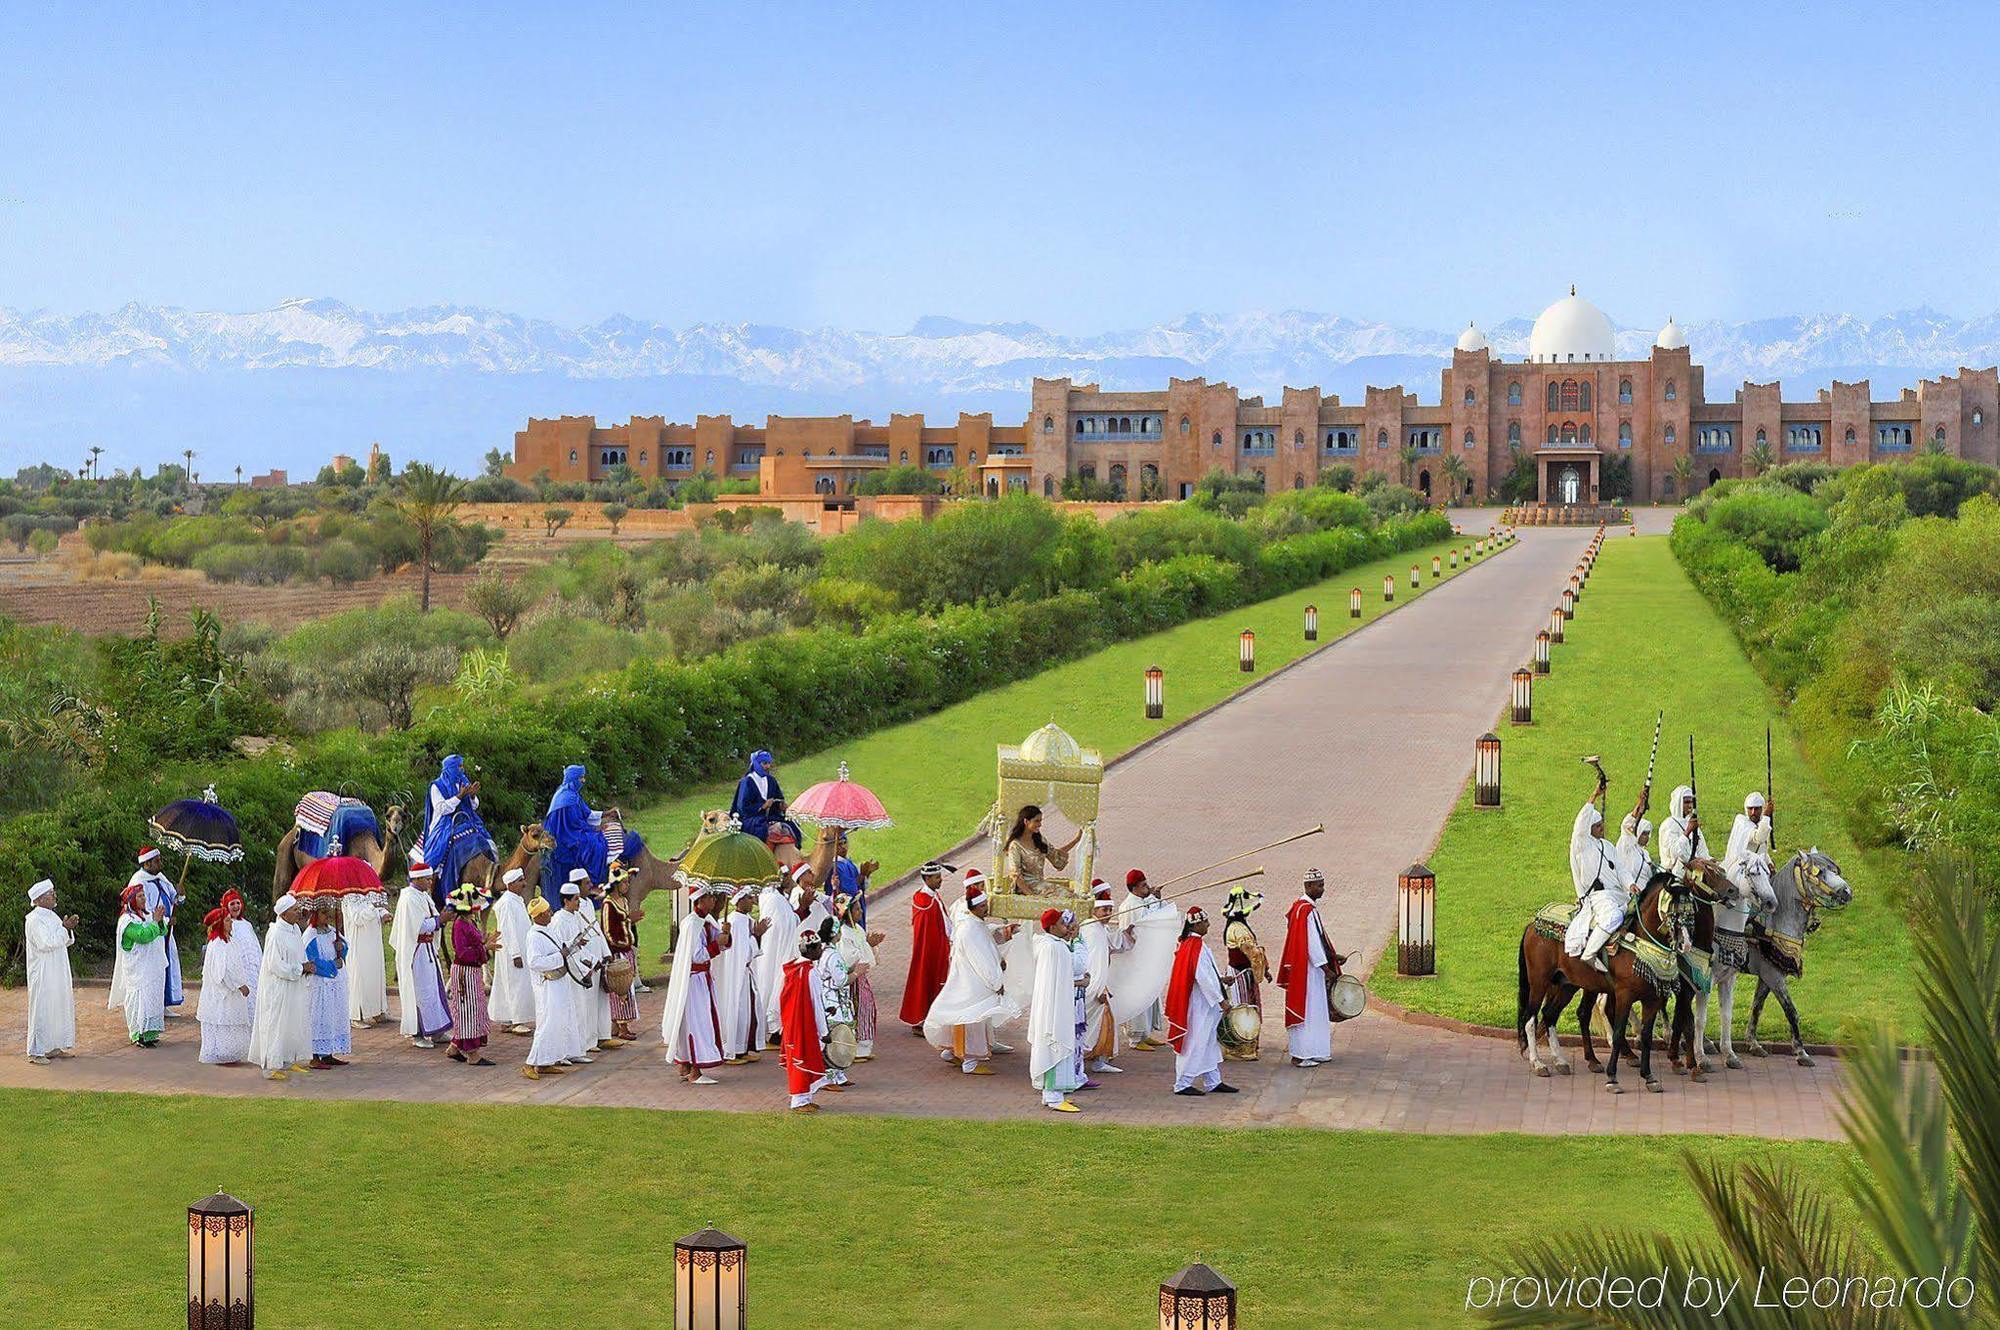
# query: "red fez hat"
[[1134, 877], [1049, 918]]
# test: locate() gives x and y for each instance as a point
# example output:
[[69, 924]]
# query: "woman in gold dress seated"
[[1027, 858]]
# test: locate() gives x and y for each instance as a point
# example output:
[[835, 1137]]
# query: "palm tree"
[[1455, 471], [1926, 1186], [1760, 457], [95, 453], [239, 477], [1683, 474], [1407, 455], [187, 480], [427, 499]]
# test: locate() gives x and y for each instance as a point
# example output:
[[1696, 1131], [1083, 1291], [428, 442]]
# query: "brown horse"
[[375, 851], [1549, 977]]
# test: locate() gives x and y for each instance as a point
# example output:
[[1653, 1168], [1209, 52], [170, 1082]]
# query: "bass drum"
[[1348, 999], [841, 1045], [1241, 1025]]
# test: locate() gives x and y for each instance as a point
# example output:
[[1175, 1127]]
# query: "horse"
[[1774, 951], [1548, 977], [366, 845], [1699, 937]]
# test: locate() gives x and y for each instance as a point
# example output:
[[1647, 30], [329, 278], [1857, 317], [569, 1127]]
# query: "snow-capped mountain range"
[[1258, 351], [289, 386]]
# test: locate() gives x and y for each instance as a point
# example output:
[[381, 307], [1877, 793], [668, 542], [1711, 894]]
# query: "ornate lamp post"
[[709, 1289], [1542, 652], [1246, 651], [221, 1279], [1388, 586], [1416, 917], [1556, 625], [1415, 582], [1524, 696], [1197, 1299], [1354, 603], [1312, 623], [1156, 692], [1454, 556], [1486, 771], [1437, 567], [1569, 603]]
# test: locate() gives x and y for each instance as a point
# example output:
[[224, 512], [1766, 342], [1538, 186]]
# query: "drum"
[[841, 1045], [1348, 998], [1241, 1025]]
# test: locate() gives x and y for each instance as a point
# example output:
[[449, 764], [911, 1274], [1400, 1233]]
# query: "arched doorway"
[[1424, 483], [992, 487], [1714, 476], [1118, 480], [1569, 485]]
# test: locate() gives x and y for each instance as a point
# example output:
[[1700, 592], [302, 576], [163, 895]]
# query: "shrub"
[[342, 562], [259, 565], [501, 600], [904, 479]]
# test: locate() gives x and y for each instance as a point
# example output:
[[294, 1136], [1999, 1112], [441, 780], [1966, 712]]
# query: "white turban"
[[571, 889], [512, 875], [1753, 800], [39, 890], [579, 875], [1645, 828], [285, 902]]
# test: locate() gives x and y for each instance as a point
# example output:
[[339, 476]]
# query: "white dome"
[[1571, 329], [1472, 339], [1671, 337]]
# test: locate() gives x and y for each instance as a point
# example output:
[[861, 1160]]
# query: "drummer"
[[1028, 857], [1306, 973]]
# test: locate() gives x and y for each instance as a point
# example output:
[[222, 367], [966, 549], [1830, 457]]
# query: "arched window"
[[1216, 440], [1583, 396], [1672, 391], [711, 458], [1424, 483], [1468, 440], [1514, 434], [1760, 435], [1552, 435], [642, 455], [1298, 481], [807, 452], [1298, 440], [1978, 419], [1259, 473], [1624, 434], [1468, 487], [1938, 437], [1048, 424], [1186, 425], [1555, 398], [1048, 487], [904, 460], [1514, 394], [1669, 438], [1118, 479], [1124, 424], [572, 454], [1583, 435], [1624, 392], [1381, 440], [972, 457], [1469, 399], [1079, 426], [1850, 434], [1569, 431]]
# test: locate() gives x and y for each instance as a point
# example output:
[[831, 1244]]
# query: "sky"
[[1080, 167]]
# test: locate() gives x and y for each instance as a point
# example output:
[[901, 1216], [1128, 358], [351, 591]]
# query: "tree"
[[388, 674], [239, 475], [95, 453], [189, 473], [428, 499], [1614, 483], [1925, 1184], [1406, 456], [1339, 476], [1683, 474], [497, 462], [1456, 472], [501, 601], [614, 513], [555, 519], [1760, 457]]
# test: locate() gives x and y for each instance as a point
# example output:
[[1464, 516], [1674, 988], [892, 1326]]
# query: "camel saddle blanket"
[[1552, 920], [327, 822]]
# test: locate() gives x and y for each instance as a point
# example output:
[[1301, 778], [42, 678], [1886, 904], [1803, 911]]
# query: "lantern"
[[221, 1292], [1312, 623], [1556, 625], [1569, 603], [1354, 603], [708, 1282], [1437, 567], [1524, 696], [1414, 580], [1479, 546], [1156, 692], [1416, 915], [1246, 651], [1197, 1299], [1542, 652], [1454, 558], [1576, 586], [1388, 586], [1486, 771]]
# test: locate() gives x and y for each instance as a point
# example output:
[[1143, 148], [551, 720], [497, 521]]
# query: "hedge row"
[[654, 729]]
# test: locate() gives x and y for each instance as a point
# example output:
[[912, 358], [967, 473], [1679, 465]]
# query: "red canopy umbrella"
[[842, 803], [335, 876]]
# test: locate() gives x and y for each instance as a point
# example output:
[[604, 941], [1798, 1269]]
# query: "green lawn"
[[937, 774], [390, 1214], [1645, 640]]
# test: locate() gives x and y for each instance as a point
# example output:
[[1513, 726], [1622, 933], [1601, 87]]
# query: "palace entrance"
[[1566, 476]]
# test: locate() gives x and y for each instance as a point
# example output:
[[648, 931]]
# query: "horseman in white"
[[1602, 885]]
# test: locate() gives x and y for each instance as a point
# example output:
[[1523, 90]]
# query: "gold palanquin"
[[1050, 769]]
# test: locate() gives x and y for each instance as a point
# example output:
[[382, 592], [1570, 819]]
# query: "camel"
[[291, 861], [527, 857]]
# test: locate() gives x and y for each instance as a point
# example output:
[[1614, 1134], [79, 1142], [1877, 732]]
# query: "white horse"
[[1807, 882]]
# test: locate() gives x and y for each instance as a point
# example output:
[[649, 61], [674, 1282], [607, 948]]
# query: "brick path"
[[1372, 736]]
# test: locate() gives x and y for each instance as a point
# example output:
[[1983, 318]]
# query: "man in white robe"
[[1681, 837], [1302, 974], [419, 977], [47, 937], [243, 943], [775, 918], [974, 990], [1142, 903], [548, 972], [579, 1022], [361, 920], [596, 953], [142, 943], [1601, 884], [281, 1034], [1052, 1035], [1635, 850], [511, 1001], [809, 912], [1747, 861], [1194, 1013], [161, 894], [1101, 940], [735, 976], [690, 1023]]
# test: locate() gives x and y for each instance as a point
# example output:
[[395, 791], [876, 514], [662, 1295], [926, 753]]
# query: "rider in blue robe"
[[579, 839], [758, 787], [454, 833]]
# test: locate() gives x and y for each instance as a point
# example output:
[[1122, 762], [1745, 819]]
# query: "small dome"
[[1570, 329], [1472, 339], [1052, 744], [1671, 337]]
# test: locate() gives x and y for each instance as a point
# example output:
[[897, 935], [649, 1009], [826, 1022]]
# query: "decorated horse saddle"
[[1552, 920]]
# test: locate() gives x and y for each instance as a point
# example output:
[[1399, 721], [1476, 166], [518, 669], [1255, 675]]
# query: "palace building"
[[1571, 405]]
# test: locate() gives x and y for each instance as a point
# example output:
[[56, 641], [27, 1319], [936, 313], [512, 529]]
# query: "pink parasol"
[[842, 803], [333, 877]]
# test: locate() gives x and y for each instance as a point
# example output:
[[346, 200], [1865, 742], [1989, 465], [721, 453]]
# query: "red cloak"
[[798, 1023], [1180, 988], [930, 956], [1295, 971]]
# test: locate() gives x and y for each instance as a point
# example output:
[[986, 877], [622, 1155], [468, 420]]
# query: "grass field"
[[936, 774], [1645, 640], [391, 1214]]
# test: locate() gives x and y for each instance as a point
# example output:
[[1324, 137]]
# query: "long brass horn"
[[1259, 849], [1206, 886]]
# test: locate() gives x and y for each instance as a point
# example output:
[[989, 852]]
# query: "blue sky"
[[1081, 167]]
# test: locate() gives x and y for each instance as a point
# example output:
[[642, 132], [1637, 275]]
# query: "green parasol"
[[727, 858]]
